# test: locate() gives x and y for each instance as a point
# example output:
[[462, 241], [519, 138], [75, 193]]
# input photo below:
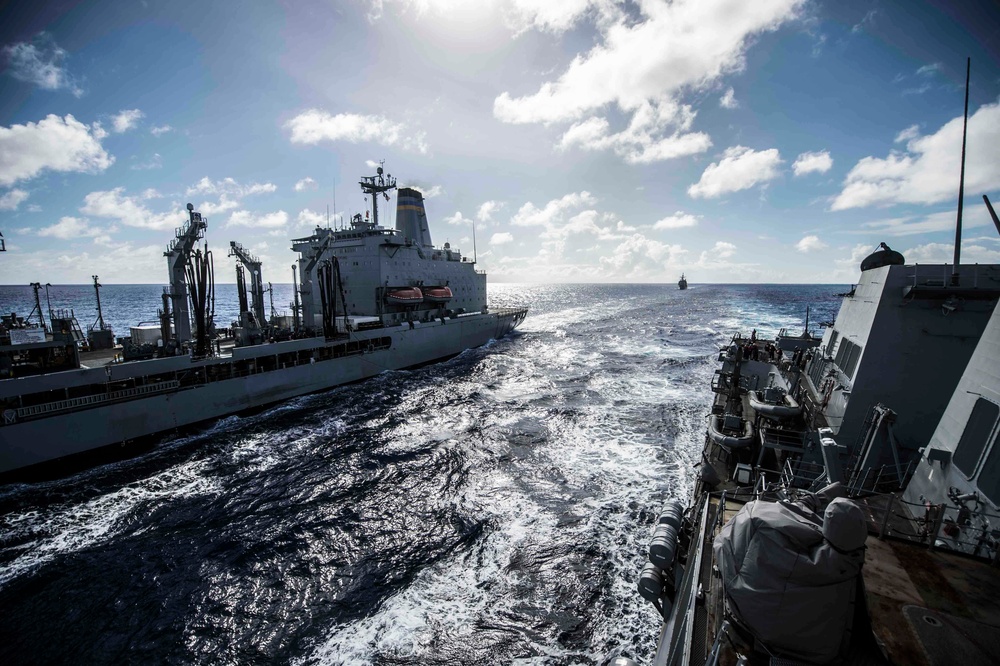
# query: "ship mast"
[[375, 185], [961, 180], [99, 324]]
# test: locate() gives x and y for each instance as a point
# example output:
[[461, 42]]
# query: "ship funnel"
[[411, 220]]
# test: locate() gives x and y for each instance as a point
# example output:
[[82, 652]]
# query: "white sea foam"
[[447, 600], [45, 534]]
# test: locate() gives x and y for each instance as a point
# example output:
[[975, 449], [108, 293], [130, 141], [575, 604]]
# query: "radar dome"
[[884, 256]]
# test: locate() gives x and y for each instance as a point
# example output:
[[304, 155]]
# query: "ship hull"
[[52, 437]]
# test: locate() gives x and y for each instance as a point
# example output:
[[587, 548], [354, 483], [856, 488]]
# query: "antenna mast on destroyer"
[[961, 179]]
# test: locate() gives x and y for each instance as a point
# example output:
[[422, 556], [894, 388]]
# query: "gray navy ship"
[[847, 509], [368, 299]]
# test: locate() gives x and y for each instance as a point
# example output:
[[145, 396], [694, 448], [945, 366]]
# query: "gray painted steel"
[[79, 410], [43, 439]]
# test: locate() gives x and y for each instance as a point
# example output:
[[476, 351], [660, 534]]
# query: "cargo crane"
[[252, 265], [178, 255]]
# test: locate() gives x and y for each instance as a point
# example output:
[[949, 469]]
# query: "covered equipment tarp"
[[790, 570]]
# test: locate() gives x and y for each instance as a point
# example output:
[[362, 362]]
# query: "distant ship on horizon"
[[682, 283]]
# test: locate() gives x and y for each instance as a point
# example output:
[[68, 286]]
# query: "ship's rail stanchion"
[[92, 400], [956, 528], [760, 485]]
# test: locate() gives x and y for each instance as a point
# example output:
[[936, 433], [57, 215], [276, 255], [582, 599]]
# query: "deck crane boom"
[[178, 254], [252, 265]]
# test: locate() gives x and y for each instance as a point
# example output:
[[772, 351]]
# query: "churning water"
[[494, 508]]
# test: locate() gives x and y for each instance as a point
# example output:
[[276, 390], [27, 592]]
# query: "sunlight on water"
[[495, 508], [41, 535]]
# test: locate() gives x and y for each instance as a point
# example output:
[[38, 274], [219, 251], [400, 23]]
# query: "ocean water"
[[491, 509]]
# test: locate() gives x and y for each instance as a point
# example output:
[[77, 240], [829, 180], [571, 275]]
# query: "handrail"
[[90, 400]]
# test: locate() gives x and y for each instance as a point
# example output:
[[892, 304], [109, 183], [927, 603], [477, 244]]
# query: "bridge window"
[[976, 434]]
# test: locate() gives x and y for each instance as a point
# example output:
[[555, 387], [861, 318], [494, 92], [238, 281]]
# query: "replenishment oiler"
[[367, 299], [847, 509]]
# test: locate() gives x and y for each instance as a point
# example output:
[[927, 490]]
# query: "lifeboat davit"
[[437, 294], [716, 432], [405, 296], [774, 402]]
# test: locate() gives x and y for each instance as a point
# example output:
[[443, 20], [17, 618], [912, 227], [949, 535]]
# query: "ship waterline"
[[158, 396], [348, 324]]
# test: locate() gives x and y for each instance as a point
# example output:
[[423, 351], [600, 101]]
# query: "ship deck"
[[103, 357], [917, 603], [946, 600], [922, 606]]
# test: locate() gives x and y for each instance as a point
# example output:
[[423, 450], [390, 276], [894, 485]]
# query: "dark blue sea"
[[491, 509]]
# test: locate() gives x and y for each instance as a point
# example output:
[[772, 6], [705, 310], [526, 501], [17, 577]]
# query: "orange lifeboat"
[[404, 296], [437, 294]]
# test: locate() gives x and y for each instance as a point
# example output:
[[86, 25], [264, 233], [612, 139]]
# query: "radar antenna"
[[375, 185]]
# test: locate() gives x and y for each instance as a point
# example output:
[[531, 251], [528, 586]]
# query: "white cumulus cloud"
[[306, 183], [638, 257], [115, 205], [126, 119], [160, 130], [911, 132], [642, 64], [229, 191], [11, 200], [728, 100], [313, 126], [927, 171], [230, 186], [68, 228], [530, 215], [739, 169], [501, 238], [810, 244], [208, 208], [39, 62], [645, 139], [818, 162], [678, 220], [486, 210], [721, 250], [309, 218], [56, 144], [555, 17], [457, 218], [243, 218]]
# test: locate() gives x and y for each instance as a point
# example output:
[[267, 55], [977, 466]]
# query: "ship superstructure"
[[372, 299], [847, 508], [374, 262]]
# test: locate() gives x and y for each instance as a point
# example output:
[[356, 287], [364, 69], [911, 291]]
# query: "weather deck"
[[945, 599]]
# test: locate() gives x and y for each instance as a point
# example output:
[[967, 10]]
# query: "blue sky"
[[588, 140]]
